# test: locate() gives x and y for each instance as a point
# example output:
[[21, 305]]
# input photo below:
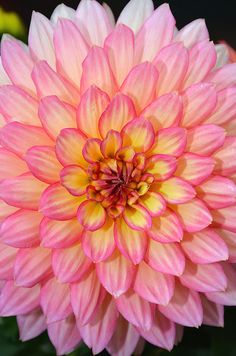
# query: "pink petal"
[[43, 163], [153, 286], [22, 192], [57, 203], [176, 190], [137, 217], [205, 139], [98, 332], [70, 264], [18, 138], [87, 119], [111, 144], [18, 105], [97, 30], [161, 166], [119, 46], [195, 31], [97, 71], [194, 215], [185, 307], [10, 165], [204, 277], [162, 333], [48, 82], [170, 141], [55, 300], [21, 229], [156, 33], [18, 300], [166, 228], [62, 11], [213, 314], [32, 265], [202, 59], [135, 13], [86, 297], [92, 150], [116, 274], [133, 248], [99, 245], [166, 258], [165, 111], [17, 62], [59, 234], [118, 113], [136, 310], [139, 134], [199, 102], [7, 260], [205, 246], [172, 64], [41, 38], [91, 215], [223, 77], [230, 240], [140, 84], [64, 335], [153, 203], [109, 13], [70, 49], [225, 218], [56, 115], [31, 325], [225, 157], [75, 179], [6, 210], [194, 168]]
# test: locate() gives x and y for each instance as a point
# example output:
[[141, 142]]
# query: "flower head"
[[117, 167]]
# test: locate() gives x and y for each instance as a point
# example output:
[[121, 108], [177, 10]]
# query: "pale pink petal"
[[205, 139], [119, 46], [56, 115], [5, 210], [194, 168], [223, 77], [18, 138], [11, 165], [92, 104], [64, 335], [199, 102], [98, 332], [222, 55], [205, 246], [170, 141], [172, 64], [7, 259], [41, 38], [152, 285], [99, 245], [213, 314], [166, 228], [55, 300], [18, 300], [140, 84], [118, 113], [43, 163], [86, 297], [162, 333], [70, 264], [192, 33], [185, 307], [62, 12], [57, 203], [176, 190], [99, 28], [165, 111], [116, 274], [18, 105], [4, 79], [156, 33], [225, 218], [229, 238], [23, 191], [135, 13], [21, 229], [225, 157], [31, 325], [135, 246], [136, 310], [32, 265], [202, 58], [97, 71], [91, 215], [59, 234], [166, 258], [110, 14], [70, 49], [194, 215]]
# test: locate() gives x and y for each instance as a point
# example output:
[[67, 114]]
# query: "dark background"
[[207, 341]]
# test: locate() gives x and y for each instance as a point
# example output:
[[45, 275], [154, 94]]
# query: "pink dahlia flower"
[[117, 163]]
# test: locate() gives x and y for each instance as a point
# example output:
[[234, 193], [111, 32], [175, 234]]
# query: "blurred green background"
[[205, 341]]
